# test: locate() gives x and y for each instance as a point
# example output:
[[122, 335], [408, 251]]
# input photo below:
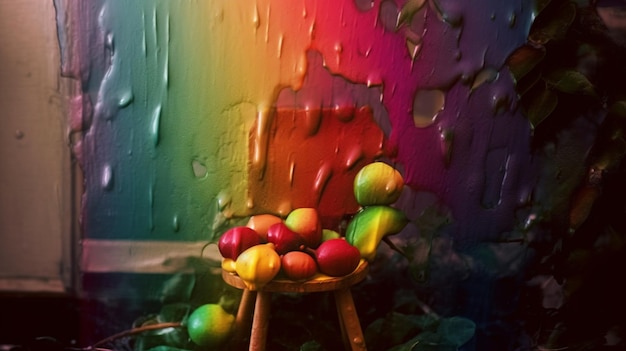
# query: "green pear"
[[371, 225]]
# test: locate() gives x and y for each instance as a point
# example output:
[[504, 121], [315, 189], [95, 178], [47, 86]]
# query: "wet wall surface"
[[190, 115]]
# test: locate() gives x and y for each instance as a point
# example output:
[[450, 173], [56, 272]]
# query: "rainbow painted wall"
[[190, 116], [194, 114]]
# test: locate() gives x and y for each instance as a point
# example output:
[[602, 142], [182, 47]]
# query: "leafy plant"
[[571, 70]]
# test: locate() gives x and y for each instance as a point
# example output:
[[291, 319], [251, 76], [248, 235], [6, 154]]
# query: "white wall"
[[35, 166]]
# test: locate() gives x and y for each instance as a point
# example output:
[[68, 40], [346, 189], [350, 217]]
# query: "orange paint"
[[312, 158]]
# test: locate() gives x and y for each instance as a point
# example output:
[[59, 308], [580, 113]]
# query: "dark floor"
[[33, 321], [25, 318]]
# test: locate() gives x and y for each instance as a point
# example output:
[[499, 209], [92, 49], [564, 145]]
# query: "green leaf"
[[431, 220], [178, 288], [456, 330], [425, 321], [398, 326], [539, 103], [311, 346], [428, 340], [174, 312], [528, 81], [570, 82], [407, 346], [540, 5], [552, 23], [618, 109], [524, 59], [420, 258]]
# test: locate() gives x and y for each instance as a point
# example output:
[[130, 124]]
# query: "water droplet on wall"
[[496, 165], [486, 75], [500, 103], [166, 63], [292, 169], [107, 177], [261, 137], [199, 169], [224, 199], [338, 48], [413, 43], [512, 20], [426, 105], [144, 43], [256, 20], [175, 223], [151, 206], [353, 156], [446, 138], [155, 125], [125, 99], [250, 202], [344, 113], [321, 179], [110, 43], [279, 49], [313, 120]]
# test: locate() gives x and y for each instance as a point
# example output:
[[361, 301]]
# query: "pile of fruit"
[[298, 248]]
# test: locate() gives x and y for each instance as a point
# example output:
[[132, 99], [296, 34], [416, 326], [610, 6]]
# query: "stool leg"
[[243, 320], [260, 322], [349, 320]]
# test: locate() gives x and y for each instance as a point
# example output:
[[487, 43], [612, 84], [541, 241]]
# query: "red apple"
[[298, 265], [237, 239], [261, 222], [306, 221], [336, 257], [283, 238]]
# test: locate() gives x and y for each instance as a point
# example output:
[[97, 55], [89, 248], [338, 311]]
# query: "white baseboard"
[[131, 256]]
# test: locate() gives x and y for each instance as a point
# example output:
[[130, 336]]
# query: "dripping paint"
[[188, 100], [196, 115]]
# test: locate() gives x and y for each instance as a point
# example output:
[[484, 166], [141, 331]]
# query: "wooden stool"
[[340, 286]]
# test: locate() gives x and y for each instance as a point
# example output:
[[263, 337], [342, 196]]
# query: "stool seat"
[[258, 302]]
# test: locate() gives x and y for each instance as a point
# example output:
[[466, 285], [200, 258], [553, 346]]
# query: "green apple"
[[210, 325], [377, 184]]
